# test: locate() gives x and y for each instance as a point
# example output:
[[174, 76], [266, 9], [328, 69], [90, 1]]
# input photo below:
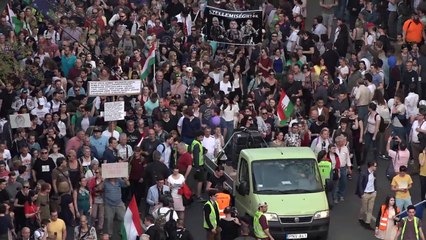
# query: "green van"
[[288, 180]]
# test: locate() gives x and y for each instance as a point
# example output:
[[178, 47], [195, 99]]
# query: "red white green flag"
[[150, 61], [132, 226], [284, 108]]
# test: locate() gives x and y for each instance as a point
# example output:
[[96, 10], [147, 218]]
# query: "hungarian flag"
[[148, 63], [284, 108], [14, 21], [132, 226]]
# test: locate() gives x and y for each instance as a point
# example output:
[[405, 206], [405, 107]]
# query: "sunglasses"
[[43, 152], [26, 186]]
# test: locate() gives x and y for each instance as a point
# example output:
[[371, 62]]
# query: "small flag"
[[148, 63], [284, 108], [132, 226], [14, 21]]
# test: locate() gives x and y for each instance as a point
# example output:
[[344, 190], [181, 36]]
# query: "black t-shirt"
[[44, 169], [229, 229], [292, 88], [133, 138], [5, 224], [307, 45], [65, 213], [216, 182], [4, 196]]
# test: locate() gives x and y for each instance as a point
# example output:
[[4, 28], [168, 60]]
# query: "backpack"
[[166, 228]]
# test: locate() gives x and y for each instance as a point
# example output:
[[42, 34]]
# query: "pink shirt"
[[400, 160], [74, 143]]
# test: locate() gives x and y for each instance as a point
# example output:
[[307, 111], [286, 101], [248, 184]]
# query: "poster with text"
[[234, 27], [20, 120], [114, 111], [115, 170]]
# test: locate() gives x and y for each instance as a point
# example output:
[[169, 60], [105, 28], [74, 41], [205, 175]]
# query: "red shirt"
[[30, 209], [266, 63], [137, 169], [264, 224], [185, 160]]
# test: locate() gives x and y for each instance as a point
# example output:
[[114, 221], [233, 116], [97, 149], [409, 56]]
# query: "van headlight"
[[321, 214], [271, 217]]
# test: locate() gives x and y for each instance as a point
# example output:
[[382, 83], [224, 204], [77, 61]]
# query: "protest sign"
[[115, 170], [114, 111], [114, 87], [234, 27], [20, 120]]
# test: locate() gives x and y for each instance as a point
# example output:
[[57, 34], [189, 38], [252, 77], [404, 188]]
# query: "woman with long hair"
[[333, 157], [82, 199], [228, 111], [279, 140], [237, 80], [20, 199], [383, 111], [342, 41], [177, 87], [43, 201], [175, 182], [386, 226], [32, 211]]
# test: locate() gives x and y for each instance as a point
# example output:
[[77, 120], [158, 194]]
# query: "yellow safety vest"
[[194, 144], [212, 216], [258, 230], [416, 229]]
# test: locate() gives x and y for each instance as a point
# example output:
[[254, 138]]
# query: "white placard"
[[114, 111], [115, 170], [115, 87], [20, 120]]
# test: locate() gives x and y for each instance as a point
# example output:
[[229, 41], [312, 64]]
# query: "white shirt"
[[294, 38], [372, 88], [125, 152], [228, 114], [345, 160], [107, 134], [320, 29], [343, 70], [226, 87], [209, 143], [40, 113], [414, 133], [370, 184], [410, 103], [164, 210]]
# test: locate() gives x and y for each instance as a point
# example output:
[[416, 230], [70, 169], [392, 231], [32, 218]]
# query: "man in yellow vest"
[[211, 217], [198, 162], [260, 223], [410, 227]]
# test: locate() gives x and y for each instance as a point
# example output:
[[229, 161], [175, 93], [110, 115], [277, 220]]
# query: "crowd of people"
[[356, 81]]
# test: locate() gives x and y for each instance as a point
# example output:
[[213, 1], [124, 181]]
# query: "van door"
[[243, 196]]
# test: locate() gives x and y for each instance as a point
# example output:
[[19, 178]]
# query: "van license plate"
[[297, 236]]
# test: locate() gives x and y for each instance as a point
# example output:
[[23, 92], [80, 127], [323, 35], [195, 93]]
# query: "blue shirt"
[[100, 144], [67, 63], [113, 192]]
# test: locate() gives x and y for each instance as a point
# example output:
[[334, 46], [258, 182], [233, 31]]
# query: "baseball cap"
[[262, 204], [24, 90], [189, 69]]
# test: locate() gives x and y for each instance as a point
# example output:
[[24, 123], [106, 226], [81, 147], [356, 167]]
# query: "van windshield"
[[287, 176]]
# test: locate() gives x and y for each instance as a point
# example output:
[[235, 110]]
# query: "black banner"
[[234, 27]]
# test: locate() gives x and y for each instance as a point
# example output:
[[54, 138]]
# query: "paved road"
[[344, 216]]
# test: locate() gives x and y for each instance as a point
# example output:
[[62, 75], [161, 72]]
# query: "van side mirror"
[[243, 188], [329, 185]]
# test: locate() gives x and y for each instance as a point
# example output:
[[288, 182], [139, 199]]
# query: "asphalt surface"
[[344, 216]]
